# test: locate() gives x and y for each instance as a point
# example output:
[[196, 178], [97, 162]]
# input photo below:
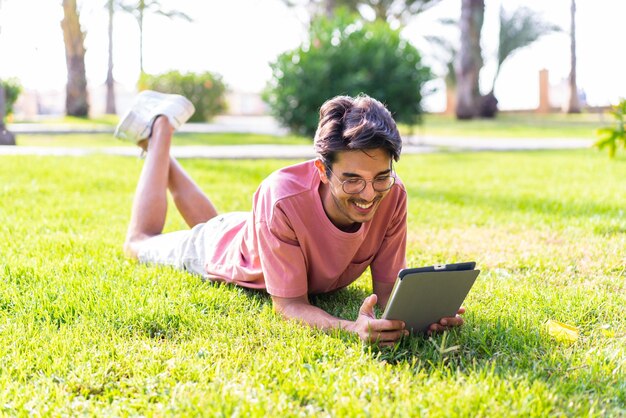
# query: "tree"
[[139, 8], [386, 10], [76, 99], [326, 8], [446, 53], [205, 90], [612, 137], [518, 30], [110, 82], [397, 10], [6, 137], [469, 60], [346, 56], [573, 105]]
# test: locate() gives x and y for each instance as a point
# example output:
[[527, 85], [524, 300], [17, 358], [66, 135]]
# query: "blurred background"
[[236, 42]]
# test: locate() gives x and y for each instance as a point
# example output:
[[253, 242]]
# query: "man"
[[314, 228]]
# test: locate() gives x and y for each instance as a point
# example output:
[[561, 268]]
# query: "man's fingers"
[[446, 323], [387, 336], [452, 322], [384, 330], [435, 328], [382, 325]]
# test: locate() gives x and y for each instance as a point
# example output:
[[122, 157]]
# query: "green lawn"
[[515, 125], [107, 140], [506, 125], [84, 331]]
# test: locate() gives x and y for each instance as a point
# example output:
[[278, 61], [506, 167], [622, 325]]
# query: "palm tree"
[[6, 137], [445, 54], [139, 8], [76, 101], [469, 60], [573, 105], [518, 30], [110, 82], [386, 10], [398, 10]]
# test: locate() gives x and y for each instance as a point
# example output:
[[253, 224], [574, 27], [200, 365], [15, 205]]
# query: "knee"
[[133, 244], [131, 249]]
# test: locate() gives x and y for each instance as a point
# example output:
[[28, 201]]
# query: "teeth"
[[366, 206]]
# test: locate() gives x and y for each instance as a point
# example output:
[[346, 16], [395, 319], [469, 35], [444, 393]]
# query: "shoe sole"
[[126, 125], [178, 109]]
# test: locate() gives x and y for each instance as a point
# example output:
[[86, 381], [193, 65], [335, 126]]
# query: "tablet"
[[422, 296]]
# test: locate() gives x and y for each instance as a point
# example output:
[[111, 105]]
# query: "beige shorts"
[[186, 250]]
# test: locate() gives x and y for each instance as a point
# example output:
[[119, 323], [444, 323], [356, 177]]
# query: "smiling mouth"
[[364, 205]]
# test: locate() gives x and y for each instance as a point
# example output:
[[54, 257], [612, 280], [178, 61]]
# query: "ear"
[[321, 170]]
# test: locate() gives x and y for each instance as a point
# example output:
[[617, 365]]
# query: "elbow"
[[280, 310], [287, 308]]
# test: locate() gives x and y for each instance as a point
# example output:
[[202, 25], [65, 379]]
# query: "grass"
[[107, 140], [514, 125], [100, 120], [506, 125], [84, 331]]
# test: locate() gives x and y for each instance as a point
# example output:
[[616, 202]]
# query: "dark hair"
[[359, 123]]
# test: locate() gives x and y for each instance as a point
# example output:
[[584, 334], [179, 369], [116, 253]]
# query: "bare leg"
[[194, 206], [150, 202]]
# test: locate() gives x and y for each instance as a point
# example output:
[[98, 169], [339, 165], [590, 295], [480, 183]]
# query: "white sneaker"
[[136, 125]]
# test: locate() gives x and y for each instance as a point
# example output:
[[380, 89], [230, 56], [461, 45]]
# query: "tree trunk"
[[573, 106], [6, 137], [76, 100], [329, 8], [469, 60], [142, 6], [3, 105], [450, 99], [110, 82]]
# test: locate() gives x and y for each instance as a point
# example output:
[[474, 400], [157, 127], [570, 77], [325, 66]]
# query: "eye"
[[354, 181]]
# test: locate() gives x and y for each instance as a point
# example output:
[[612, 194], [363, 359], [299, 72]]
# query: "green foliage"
[[180, 139], [205, 90], [612, 137], [12, 90], [390, 10], [346, 56]]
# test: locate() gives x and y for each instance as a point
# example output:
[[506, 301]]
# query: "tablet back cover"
[[421, 299]]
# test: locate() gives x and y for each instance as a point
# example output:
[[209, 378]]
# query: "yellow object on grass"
[[562, 331]]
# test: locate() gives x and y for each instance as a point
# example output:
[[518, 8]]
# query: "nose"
[[368, 193]]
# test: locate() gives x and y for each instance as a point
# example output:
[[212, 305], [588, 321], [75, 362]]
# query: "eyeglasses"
[[357, 185]]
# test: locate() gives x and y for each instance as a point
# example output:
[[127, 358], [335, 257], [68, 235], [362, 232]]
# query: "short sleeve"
[[282, 260], [391, 257]]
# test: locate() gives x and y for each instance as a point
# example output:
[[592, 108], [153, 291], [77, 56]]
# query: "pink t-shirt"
[[288, 245]]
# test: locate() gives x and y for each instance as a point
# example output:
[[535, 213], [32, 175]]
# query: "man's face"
[[344, 209]]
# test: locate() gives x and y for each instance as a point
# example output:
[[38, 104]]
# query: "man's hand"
[[383, 331], [447, 323], [369, 329]]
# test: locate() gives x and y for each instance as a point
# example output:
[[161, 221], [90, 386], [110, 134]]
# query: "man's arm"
[[368, 328], [383, 291]]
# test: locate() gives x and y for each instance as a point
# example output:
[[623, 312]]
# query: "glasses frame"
[[343, 183]]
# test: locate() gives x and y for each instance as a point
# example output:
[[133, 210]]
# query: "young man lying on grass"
[[314, 227]]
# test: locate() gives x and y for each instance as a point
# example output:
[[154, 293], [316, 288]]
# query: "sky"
[[239, 38]]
